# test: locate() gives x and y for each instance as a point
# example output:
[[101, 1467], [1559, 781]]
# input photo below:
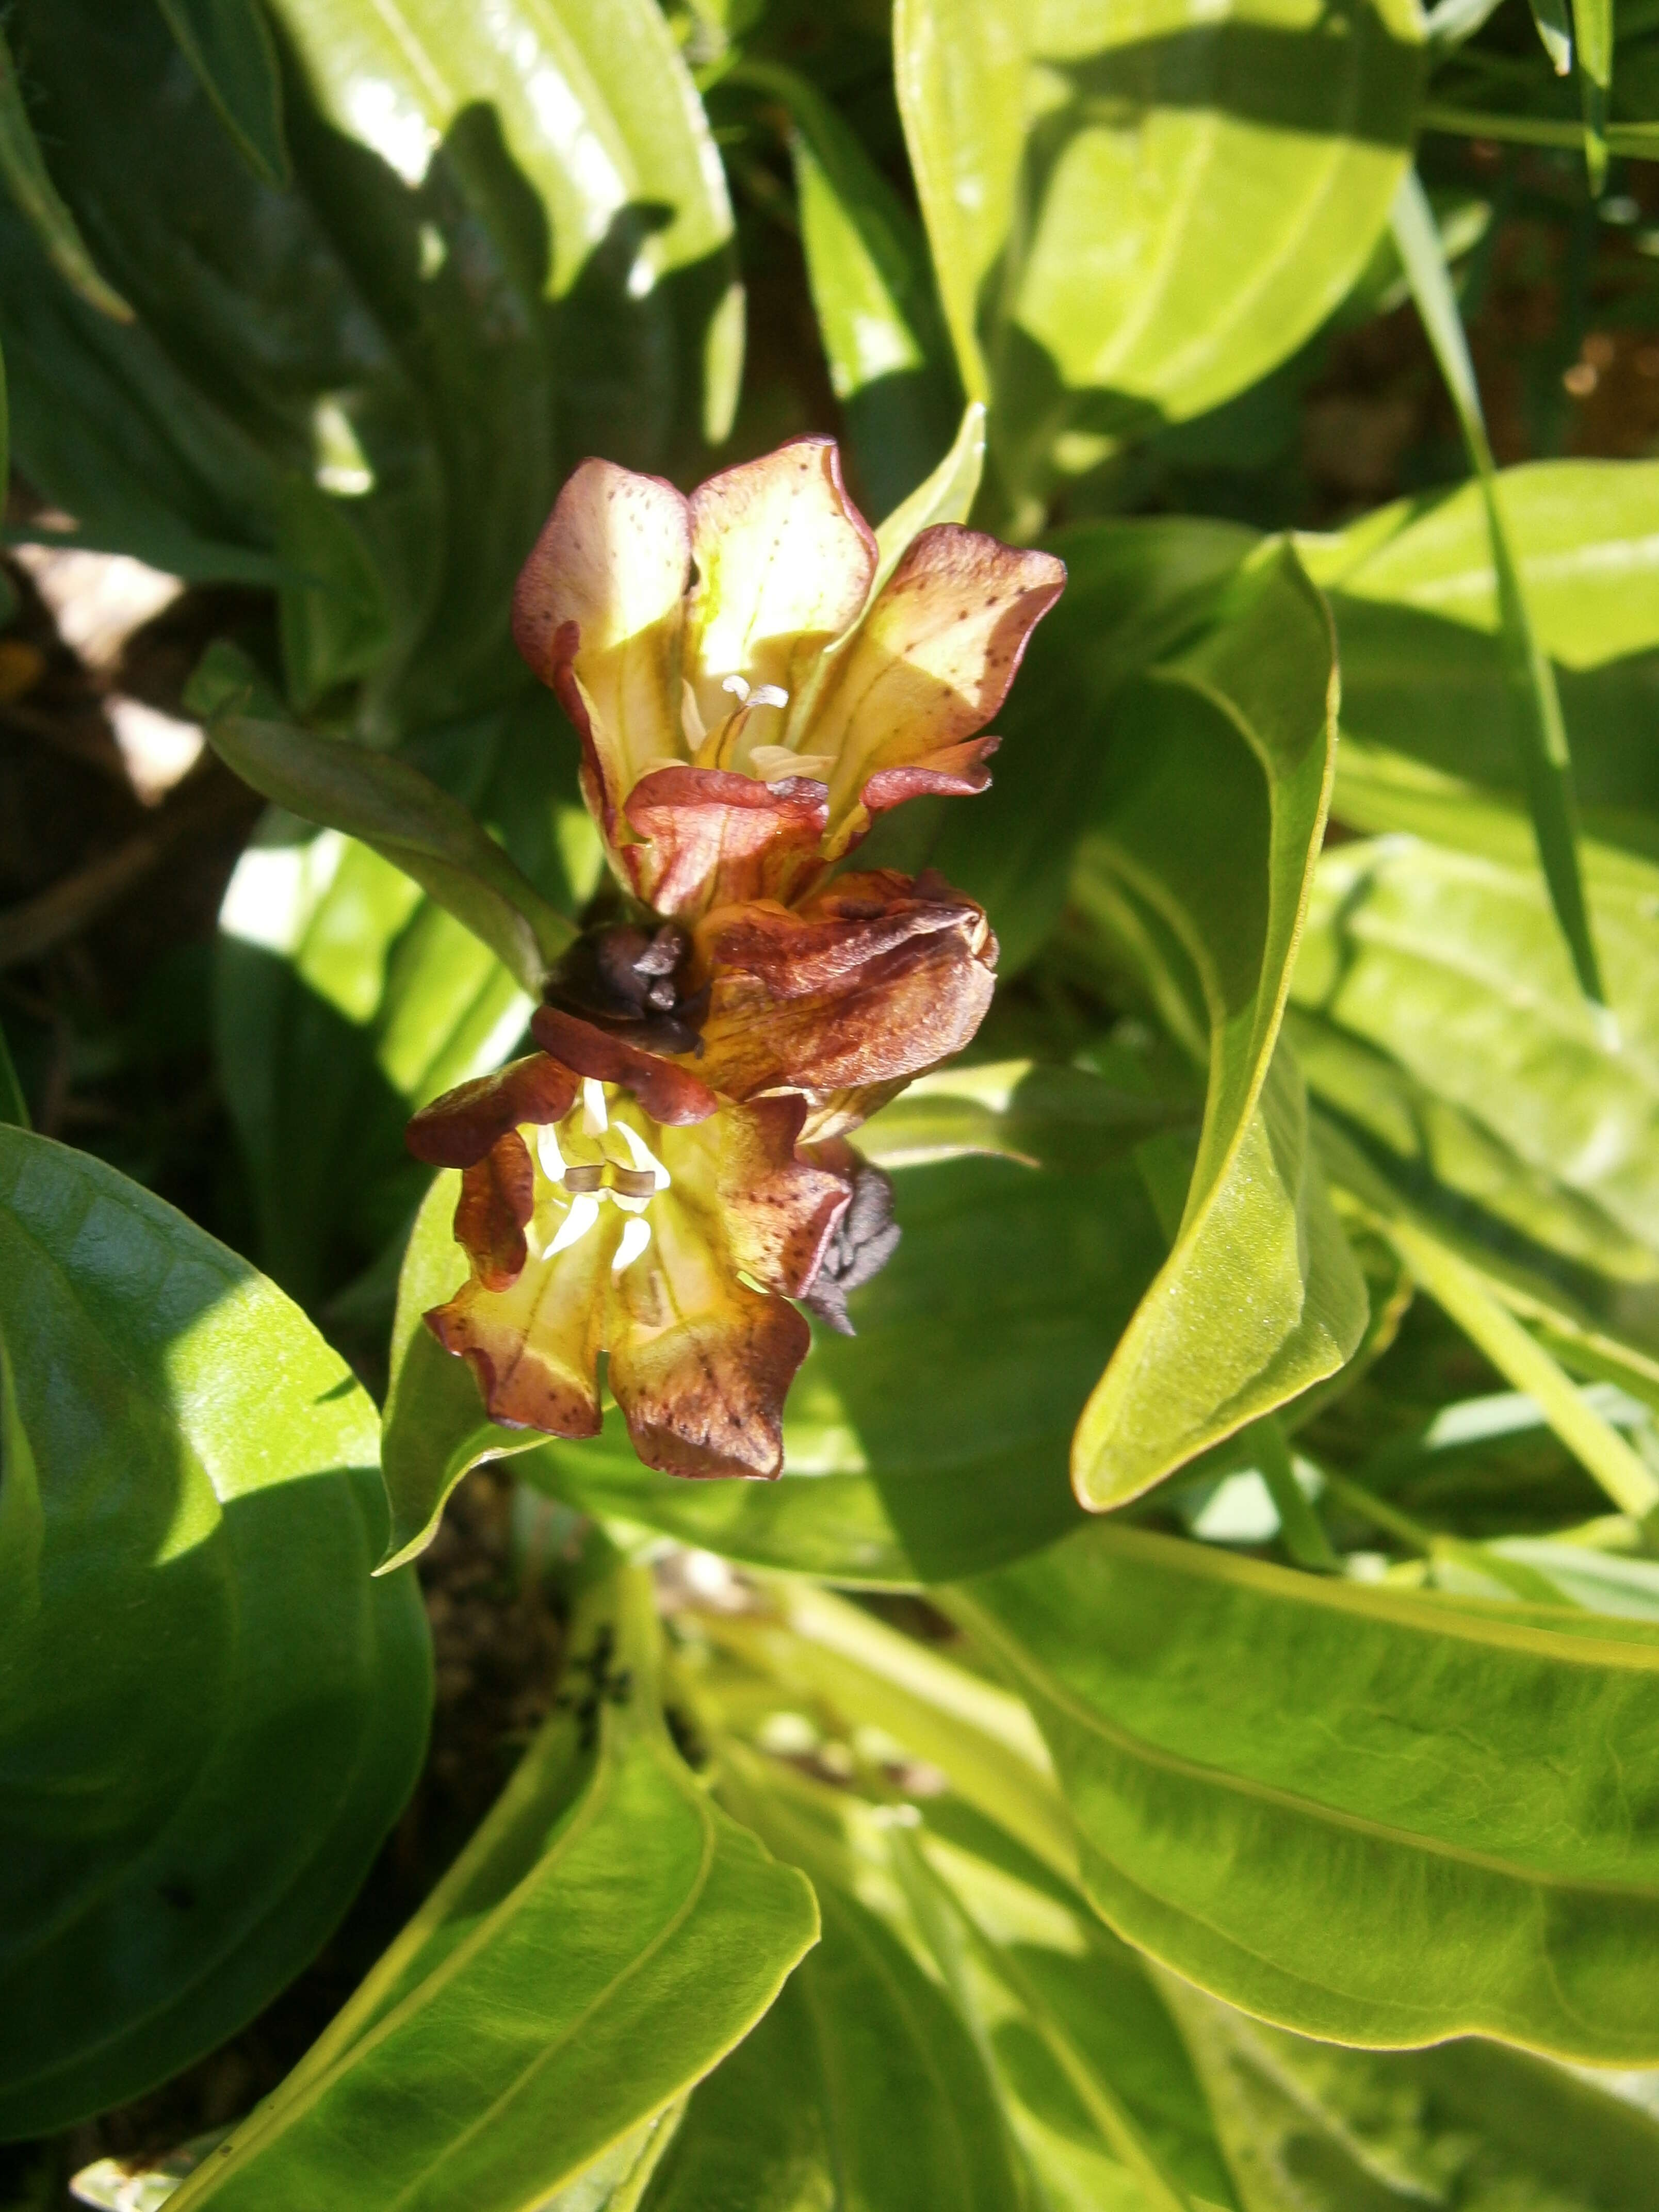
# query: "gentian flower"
[[744, 707], [667, 1179]]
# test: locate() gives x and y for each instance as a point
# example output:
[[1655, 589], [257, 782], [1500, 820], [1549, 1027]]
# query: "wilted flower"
[[742, 711], [669, 1172], [629, 1211]]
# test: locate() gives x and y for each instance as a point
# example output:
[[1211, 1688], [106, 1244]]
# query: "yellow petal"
[[932, 660], [534, 1346], [598, 613], [784, 563]]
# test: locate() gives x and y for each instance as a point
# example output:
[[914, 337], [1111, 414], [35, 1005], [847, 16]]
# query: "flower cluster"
[[669, 1170]]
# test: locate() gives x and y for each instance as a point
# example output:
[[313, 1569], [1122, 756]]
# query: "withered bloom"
[[630, 1212], [669, 1172], [745, 707]]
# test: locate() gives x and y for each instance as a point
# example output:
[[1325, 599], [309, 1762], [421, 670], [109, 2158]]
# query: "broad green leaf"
[[210, 1715], [1133, 218], [873, 285], [1440, 1024], [1134, 589], [229, 45], [1468, 2123], [1066, 1118], [1539, 733], [1413, 592], [1209, 818], [404, 816], [946, 493], [1367, 1815], [863, 2084], [935, 1441], [608, 1936], [38, 199]]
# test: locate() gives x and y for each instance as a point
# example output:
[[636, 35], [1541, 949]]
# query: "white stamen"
[[771, 764], [643, 1156], [737, 685], [547, 1151], [635, 1238], [769, 695], [595, 1120], [583, 1213]]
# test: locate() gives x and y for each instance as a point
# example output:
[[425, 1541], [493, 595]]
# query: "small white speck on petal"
[[635, 1238], [583, 1213], [595, 1120], [547, 1151], [737, 685]]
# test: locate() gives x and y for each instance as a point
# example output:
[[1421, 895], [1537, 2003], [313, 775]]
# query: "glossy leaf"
[[334, 620], [1209, 819], [605, 1938], [945, 494], [1066, 1118], [229, 45], [1007, 1290], [411, 821], [1366, 1815], [1539, 733], [863, 2082], [1130, 224], [1468, 2123], [1134, 589], [873, 285], [1440, 1024], [211, 1715], [38, 200], [1413, 590]]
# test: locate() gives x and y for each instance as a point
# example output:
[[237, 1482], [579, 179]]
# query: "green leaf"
[[229, 45], [1441, 1028], [1539, 732], [863, 2082], [873, 285], [935, 1441], [38, 199], [1552, 20], [1131, 225], [1366, 1815], [946, 493], [13, 1107], [1065, 1118], [1468, 2123], [394, 809], [334, 620], [1133, 591], [1413, 590], [211, 1715], [1208, 822], [608, 1936]]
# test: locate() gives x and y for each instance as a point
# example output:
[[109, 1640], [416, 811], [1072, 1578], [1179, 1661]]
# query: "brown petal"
[[700, 1364], [498, 1197], [784, 563], [780, 1210], [954, 772], [874, 980], [932, 660], [669, 1093], [598, 613], [534, 1346], [715, 837], [461, 1126]]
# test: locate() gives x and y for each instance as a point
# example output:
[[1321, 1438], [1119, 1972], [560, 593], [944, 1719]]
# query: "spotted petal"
[[534, 1344], [460, 1127], [598, 614], [927, 668], [784, 563], [875, 978]]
